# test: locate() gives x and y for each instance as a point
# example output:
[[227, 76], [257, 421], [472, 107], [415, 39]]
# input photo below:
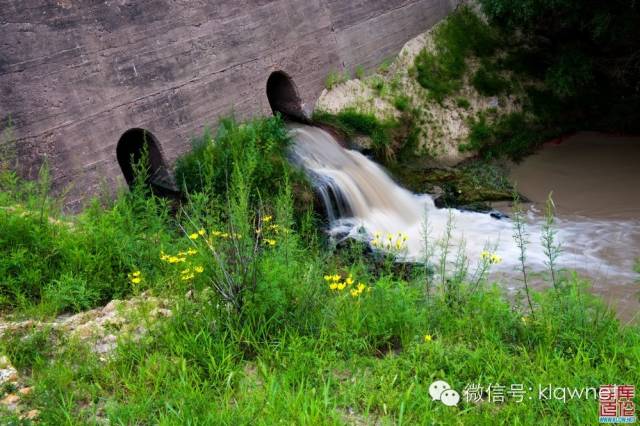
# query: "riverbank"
[[262, 318]]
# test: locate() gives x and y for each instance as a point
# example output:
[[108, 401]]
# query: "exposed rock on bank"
[[393, 91], [100, 328]]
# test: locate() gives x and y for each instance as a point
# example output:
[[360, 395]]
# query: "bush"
[[512, 135], [488, 82], [79, 264], [584, 51], [383, 133], [461, 34], [258, 146]]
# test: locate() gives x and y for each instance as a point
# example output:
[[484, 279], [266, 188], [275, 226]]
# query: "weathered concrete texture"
[[76, 74]]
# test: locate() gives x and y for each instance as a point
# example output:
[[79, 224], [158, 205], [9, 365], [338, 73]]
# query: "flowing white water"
[[361, 199]]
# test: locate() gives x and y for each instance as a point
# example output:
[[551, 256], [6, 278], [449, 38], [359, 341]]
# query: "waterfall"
[[362, 201]]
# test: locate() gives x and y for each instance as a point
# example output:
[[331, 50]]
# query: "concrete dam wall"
[[84, 82]]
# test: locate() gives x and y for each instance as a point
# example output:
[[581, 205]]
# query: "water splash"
[[361, 198]]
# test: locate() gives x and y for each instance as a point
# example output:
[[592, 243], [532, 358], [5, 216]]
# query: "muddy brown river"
[[595, 181]]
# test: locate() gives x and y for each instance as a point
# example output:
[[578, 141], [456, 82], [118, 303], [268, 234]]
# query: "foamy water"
[[362, 199]]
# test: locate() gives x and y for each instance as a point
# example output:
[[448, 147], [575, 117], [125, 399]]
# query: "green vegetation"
[[401, 102], [259, 144], [463, 33], [386, 135], [334, 78], [61, 266], [270, 323], [463, 103], [585, 52], [510, 135], [487, 80]]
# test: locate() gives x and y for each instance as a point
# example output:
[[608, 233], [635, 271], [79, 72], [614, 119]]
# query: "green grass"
[[55, 264], [460, 35], [463, 103], [384, 134], [261, 338], [335, 78]]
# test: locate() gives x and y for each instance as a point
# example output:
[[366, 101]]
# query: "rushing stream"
[[361, 200]]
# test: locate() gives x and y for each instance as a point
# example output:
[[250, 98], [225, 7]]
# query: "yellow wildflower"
[[187, 277], [349, 280], [135, 274], [186, 271], [333, 286], [361, 287], [341, 286], [495, 259], [428, 338], [201, 232], [199, 269], [485, 255], [267, 218], [355, 293], [136, 280], [327, 277], [173, 259], [336, 277], [191, 252], [194, 236]]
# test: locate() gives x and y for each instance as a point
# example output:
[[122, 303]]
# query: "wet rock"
[[498, 215]]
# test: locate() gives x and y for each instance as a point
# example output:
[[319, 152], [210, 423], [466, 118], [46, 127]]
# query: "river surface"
[[595, 179], [600, 240]]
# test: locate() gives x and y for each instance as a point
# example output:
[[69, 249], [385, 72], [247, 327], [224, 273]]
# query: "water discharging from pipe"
[[361, 199]]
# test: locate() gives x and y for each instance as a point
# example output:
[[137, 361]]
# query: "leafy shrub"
[[511, 135], [487, 81], [461, 34], [570, 74], [352, 122], [69, 294], [258, 146], [79, 264], [571, 46]]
